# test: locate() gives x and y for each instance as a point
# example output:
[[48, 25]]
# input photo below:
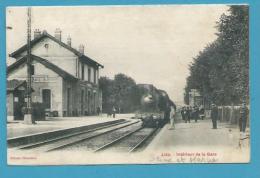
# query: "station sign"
[[41, 78]]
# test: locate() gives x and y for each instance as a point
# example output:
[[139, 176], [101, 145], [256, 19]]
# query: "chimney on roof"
[[69, 41], [81, 48], [44, 32], [36, 33], [57, 34]]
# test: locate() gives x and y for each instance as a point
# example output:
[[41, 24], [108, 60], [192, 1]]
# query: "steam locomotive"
[[155, 106]]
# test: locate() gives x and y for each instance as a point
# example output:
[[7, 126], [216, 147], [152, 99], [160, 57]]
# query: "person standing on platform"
[[214, 115], [243, 118], [98, 110], [182, 113], [114, 111], [196, 113], [188, 114], [172, 117], [202, 113], [185, 114]]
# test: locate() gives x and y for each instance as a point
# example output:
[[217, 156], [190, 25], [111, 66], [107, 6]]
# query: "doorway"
[[19, 103], [82, 102], [46, 98], [68, 101]]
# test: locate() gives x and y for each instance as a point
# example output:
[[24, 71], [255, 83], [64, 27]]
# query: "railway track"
[[130, 142], [72, 139], [127, 137], [93, 144]]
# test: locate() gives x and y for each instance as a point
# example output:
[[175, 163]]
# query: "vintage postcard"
[[136, 84]]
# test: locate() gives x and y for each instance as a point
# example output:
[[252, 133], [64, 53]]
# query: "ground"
[[198, 134], [186, 143], [188, 139]]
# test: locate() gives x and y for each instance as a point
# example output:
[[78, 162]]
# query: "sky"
[[153, 44]]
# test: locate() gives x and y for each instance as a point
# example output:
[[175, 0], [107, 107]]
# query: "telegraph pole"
[[28, 119]]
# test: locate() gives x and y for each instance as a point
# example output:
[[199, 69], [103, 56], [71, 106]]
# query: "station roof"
[[44, 62], [44, 34]]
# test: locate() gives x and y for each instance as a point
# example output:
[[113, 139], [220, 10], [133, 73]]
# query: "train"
[[155, 106]]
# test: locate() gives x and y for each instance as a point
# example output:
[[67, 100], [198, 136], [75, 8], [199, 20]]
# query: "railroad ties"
[[126, 136]]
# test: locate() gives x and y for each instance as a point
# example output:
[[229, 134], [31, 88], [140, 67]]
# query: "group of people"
[[188, 113]]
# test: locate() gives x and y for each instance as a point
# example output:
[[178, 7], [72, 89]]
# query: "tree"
[[122, 93], [108, 100], [220, 71], [123, 90]]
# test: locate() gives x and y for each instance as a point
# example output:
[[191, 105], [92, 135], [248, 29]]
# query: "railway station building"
[[64, 80]]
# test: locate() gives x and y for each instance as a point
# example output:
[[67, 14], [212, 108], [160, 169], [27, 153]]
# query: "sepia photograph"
[[127, 84]]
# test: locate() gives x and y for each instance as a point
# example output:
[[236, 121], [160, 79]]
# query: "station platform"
[[19, 129], [192, 138], [196, 134]]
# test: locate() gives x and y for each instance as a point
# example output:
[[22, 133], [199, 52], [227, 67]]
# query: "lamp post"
[[28, 119]]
